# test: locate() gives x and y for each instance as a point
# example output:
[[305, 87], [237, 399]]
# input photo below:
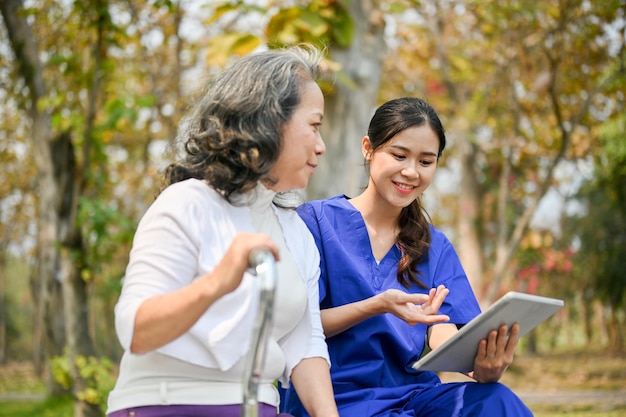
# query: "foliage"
[[601, 230], [108, 227], [113, 157], [99, 373], [526, 85], [521, 87], [319, 22], [543, 266]]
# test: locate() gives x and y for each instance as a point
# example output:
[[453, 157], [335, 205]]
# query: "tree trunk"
[[470, 252], [587, 315], [72, 261], [600, 323], [58, 195], [348, 110], [26, 52], [615, 331]]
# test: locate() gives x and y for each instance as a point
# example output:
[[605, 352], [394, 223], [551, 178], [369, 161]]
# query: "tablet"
[[457, 353]]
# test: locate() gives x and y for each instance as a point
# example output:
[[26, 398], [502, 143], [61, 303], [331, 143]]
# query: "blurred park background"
[[531, 188]]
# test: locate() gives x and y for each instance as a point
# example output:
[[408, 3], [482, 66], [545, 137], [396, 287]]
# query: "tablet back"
[[457, 353]]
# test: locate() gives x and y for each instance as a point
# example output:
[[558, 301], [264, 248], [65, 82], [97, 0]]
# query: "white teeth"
[[404, 186]]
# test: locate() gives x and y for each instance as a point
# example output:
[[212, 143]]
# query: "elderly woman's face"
[[302, 142]]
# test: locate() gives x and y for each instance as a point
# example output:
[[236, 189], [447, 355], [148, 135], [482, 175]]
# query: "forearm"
[[163, 318], [439, 333], [413, 308], [338, 319], [311, 379]]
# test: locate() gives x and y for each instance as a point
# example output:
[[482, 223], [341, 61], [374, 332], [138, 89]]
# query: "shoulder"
[[438, 237], [440, 244], [300, 241], [189, 190], [187, 199], [317, 208]]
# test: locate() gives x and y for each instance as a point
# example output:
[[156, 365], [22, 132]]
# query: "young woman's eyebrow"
[[405, 149], [429, 154]]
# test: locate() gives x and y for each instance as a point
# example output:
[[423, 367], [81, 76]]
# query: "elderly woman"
[[186, 309]]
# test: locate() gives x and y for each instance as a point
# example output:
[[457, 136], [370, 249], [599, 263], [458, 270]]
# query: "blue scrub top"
[[371, 362]]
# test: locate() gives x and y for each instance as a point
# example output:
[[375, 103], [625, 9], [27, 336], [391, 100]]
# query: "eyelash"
[[402, 157]]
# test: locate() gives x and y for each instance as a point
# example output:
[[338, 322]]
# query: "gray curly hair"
[[233, 135]]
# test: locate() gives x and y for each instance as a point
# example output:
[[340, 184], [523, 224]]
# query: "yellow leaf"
[[221, 48]]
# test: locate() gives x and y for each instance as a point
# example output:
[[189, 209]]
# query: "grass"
[[20, 378], [614, 413], [568, 371], [596, 409], [53, 407], [571, 373]]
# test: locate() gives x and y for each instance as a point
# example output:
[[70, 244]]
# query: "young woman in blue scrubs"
[[380, 260]]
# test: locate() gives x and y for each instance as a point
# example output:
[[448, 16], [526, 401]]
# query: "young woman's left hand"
[[495, 354]]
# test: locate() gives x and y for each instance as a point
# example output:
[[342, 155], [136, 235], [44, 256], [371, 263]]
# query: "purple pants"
[[231, 410]]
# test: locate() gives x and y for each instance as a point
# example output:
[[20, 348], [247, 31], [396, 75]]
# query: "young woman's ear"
[[366, 148]]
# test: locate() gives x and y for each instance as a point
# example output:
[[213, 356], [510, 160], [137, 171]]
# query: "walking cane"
[[265, 265]]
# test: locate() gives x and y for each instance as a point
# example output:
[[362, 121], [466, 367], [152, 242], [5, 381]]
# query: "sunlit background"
[[531, 188]]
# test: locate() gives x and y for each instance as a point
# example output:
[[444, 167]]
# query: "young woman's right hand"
[[414, 308]]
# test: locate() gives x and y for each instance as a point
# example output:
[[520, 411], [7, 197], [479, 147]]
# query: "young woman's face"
[[302, 142], [402, 168]]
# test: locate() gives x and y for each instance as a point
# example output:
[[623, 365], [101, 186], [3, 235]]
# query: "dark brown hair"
[[414, 238]]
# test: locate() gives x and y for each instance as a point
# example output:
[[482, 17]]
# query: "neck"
[[375, 212], [381, 222]]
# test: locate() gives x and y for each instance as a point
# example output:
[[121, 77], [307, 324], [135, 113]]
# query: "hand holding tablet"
[[457, 353]]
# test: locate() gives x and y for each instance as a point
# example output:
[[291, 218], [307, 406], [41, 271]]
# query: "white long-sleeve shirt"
[[182, 236]]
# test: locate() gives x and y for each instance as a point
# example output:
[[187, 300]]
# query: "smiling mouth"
[[406, 187]]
